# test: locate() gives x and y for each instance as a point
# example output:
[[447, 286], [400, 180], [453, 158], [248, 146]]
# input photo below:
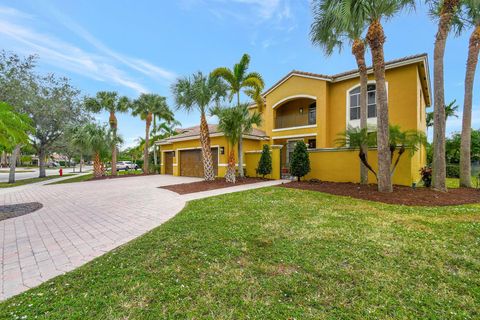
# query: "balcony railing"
[[291, 121]]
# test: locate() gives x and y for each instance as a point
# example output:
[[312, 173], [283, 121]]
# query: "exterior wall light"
[[301, 110], [222, 150]]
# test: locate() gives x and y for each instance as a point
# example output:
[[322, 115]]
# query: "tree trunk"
[[208, 172], [148, 122], [41, 162], [240, 156], [465, 160], [439, 162], [81, 162], [155, 154], [13, 163], [113, 127], [230, 176], [376, 39], [358, 50], [97, 165]]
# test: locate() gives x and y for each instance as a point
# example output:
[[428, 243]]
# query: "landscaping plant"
[[265, 162], [300, 162], [426, 176]]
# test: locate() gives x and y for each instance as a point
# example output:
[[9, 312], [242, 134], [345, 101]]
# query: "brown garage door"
[[169, 162], [191, 164]]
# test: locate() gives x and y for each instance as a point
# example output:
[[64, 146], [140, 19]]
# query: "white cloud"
[[455, 124], [101, 64]]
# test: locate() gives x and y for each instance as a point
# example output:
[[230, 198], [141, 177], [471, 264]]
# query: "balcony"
[[296, 113]]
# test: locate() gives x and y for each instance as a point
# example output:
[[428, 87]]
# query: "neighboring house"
[[316, 108]]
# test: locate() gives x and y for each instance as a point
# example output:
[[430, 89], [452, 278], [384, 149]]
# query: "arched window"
[[354, 96]]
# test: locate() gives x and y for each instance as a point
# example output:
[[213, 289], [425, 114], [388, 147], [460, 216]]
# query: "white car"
[[126, 165]]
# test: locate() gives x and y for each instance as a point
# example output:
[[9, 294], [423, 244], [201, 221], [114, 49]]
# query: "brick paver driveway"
[[79, 221]]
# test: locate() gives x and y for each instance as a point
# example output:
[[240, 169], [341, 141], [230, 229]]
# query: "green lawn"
[[455, 182], [278, 253], [16, 171], [30, 180]]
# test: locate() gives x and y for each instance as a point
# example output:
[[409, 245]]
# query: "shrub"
[[453, 171], [265, 162], [426, 173], [300, 162], [139, 163]]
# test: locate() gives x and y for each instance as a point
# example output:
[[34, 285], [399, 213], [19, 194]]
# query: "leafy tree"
[[55, 106], [111, 102], [372, 12], [265, 162], [300, 162], [14, 132], [333, 24], [237, 79], [399, 142], [16, 79], [450, 111], [146, 106], [471, 18], [199, 92], [161, 130], [445, 11]]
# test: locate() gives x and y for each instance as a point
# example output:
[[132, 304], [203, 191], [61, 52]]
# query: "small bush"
[[265, 163], [300, 163], [453, 171], [139, 163], [426, 173]]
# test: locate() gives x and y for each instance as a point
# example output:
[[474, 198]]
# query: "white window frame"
[[371, 122]]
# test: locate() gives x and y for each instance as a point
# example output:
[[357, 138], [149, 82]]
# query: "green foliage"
[[148, 104], [452, 147], [265, 162], [453, 171], [14, 127], [93, 138], [426, 176], [300, 162], [108, 101]]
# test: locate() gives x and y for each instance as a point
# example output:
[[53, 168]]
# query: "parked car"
[[126, 165], [53, 164]]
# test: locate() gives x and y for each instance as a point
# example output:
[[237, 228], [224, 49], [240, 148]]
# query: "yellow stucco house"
[[315, 108]]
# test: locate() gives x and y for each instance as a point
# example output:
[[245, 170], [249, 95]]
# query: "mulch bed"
[[401, 195], [17, 210], [199, 186]]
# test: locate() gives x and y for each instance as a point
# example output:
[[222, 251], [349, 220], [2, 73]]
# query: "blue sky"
[[143, 46]]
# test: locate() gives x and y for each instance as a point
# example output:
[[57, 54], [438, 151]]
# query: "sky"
[[143, 46]]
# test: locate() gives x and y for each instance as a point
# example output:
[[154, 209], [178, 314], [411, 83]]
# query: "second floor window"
[[355, 102], [312, 113]]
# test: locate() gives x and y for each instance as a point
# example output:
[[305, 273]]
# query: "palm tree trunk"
[[148, 122], [439, 162], [230, 176], [208, 172], [81, 162], [358, 50], [113, 127], [13, 163], [465, 160], [376, 39], [240, 156], [97, 166]]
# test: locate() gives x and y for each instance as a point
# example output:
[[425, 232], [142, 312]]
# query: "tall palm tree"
[[14, 133], [146, 106], [332, 25], [450, 111], [372, 12], [110, 102], [161, 130], [445, 10], [471, 15], [237, 79], [198, 92]]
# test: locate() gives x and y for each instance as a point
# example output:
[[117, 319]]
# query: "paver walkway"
[[81, 221]]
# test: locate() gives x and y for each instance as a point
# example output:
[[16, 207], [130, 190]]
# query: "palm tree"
[[445, 10], [94, 138], [146, 106], [199, 92], [399, 142], [161, 130], [332, 25], [450, 111], [237, 79], [109, 101], [472, 18], [14, 133], [372, 12], [80, 141]]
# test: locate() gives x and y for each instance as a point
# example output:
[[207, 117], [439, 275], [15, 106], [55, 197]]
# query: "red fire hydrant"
[[61, 172]]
